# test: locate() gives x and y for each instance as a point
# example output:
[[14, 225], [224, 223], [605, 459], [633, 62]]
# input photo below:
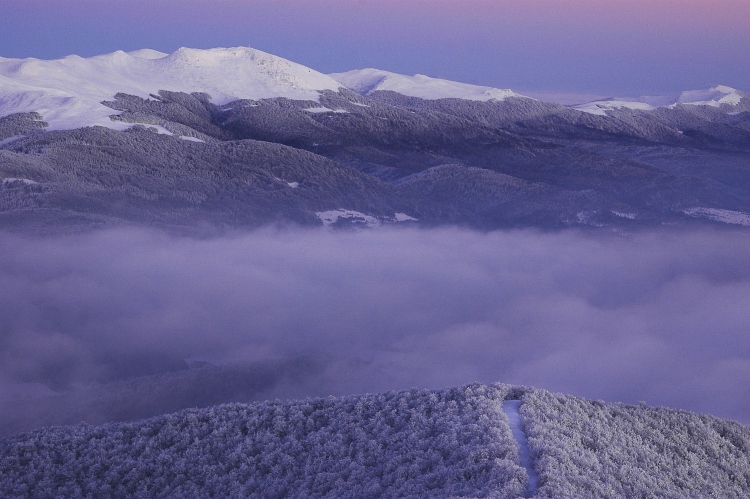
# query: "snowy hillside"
[[367, 81], [460, 442], [438, 151], [68, 92], [717, 96]]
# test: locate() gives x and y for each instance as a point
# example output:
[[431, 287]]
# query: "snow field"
[[717, 96], [719, 215], [367, 81], [330, 217]]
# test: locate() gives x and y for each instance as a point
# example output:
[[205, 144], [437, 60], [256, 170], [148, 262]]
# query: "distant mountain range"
[[229, 138]]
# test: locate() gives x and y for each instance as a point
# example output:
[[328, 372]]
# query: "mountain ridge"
[[490, 161], [67, 91]]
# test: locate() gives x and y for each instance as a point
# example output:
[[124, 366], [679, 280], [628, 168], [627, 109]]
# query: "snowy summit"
[[717, 96], [367, 81], [68, 92]]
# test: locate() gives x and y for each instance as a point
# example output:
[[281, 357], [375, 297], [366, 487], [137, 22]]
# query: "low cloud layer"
[[126, 323]]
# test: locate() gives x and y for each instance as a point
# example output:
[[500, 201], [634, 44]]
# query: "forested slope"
[[418, 443], [487, 165]]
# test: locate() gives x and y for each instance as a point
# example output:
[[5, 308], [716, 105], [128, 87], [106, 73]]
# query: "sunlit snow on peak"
[[602, 106], [148, 54], [68, 92], [367, 81], [715, 96]]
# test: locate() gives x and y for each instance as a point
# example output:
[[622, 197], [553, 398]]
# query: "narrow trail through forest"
[[510, 407]]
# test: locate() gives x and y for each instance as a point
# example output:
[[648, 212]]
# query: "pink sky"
[[606, 46]]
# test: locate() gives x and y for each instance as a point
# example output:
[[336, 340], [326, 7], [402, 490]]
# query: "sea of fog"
[[124, 324]]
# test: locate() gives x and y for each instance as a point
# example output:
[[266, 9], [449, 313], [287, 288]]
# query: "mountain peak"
[[367, 81], [68, 92], [148, 54], [714, 96], [717, 96]]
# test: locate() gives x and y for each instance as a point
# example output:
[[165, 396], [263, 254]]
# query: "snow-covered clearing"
[[718, 215], [9, 181], [192, 139], [332, 216], [10, 139], [319, 110], [403, 217], [629, 216]]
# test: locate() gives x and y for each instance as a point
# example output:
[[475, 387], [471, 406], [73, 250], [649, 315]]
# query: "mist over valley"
[[225, 273]]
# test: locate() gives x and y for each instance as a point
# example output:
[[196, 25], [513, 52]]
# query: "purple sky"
[[611, 47]]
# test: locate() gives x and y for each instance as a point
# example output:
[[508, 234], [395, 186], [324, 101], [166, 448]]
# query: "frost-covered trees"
[[417, 443], [592, 449]]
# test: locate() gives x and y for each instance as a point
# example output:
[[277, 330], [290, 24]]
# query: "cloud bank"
[[125, 324]]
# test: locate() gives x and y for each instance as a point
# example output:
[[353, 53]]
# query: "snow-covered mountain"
[[367, 81], [68, 92], [717, 96], [368, 143]]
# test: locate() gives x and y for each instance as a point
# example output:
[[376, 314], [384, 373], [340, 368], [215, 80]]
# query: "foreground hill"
[[445, 443], [234, 138]]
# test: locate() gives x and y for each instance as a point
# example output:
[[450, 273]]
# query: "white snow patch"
[[630, 216], [367, 81], [403, 217], [715, 97], [10, 180], [192, 139], [159, 129], [148, 54], [317, 110], [10, 139], [510, 408], [331, 217], [601, 107], [68, 92], [293, 185], [719, 215], [359, 104], [564, 98]]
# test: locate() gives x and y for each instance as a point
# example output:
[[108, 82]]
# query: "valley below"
[[224, 273]]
